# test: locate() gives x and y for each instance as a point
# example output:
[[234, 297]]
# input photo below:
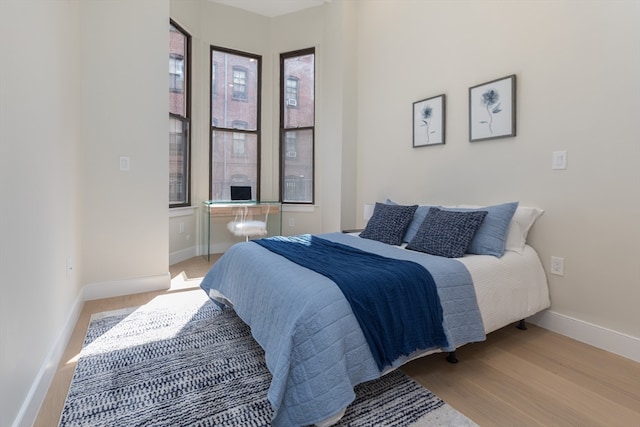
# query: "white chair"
[[245, 227]]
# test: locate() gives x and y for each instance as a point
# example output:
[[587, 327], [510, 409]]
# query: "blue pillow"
[[446, 233], [491, 237], [388, 223], [414, 225]]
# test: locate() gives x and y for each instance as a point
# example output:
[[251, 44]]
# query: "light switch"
[[559, 160], [125, 163]]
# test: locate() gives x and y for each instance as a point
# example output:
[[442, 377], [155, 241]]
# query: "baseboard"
[[184, 254], [597, 336], [31, 406], [118, 288]]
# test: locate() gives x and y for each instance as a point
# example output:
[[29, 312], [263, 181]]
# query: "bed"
[[315, 346]]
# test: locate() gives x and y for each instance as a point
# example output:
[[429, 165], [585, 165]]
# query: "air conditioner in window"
[[292, 102], [292, 154]]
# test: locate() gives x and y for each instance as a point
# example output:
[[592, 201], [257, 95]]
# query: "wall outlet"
[[557, 266], [292, 222]]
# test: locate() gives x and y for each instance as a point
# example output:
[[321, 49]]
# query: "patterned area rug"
[[182, 362]]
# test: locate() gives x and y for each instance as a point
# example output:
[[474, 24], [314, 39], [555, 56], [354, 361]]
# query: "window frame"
[[216, 127], [187, 118], [283, 131]]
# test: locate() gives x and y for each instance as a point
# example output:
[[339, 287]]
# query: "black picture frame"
[[492, 109], [429, 121]]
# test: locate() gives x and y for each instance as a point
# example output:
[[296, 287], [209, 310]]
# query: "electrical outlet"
[[292, 222], [557, 266]]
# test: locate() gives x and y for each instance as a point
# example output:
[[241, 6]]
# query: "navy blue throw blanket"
[[395, 301]]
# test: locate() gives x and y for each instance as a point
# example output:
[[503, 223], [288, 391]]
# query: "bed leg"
[[521, 325], [451, 358]]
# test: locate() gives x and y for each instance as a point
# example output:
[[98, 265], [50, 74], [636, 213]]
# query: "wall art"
[[492, 109], [429, 121]]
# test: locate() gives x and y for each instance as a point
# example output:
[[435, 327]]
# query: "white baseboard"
[[32, 403], [597, 336], [184, 254], [31, 406], [118, 288]]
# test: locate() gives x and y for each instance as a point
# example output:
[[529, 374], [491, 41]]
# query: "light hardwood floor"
[[514, 378]]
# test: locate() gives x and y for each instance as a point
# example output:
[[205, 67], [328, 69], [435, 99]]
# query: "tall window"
[[235, 122], [297, 122], [179, 117]]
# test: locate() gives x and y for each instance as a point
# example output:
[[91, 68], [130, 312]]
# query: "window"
[[176, 73], [291, 92], [235, 124], [291, 145], [297, 126], [179, 117], [239, 145], [240, 83]]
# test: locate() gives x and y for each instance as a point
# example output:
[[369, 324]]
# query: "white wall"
[[40, 184], [124, 48], [82, 84], [577, 65]]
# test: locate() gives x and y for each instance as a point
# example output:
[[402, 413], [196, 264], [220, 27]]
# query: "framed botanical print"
[[429, 121], [492, 109]]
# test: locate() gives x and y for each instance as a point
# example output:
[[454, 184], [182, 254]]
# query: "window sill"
[[298, 208], [184, 211]]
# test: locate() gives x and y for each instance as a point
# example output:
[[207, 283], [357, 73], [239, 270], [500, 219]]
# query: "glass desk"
[[226, 208]]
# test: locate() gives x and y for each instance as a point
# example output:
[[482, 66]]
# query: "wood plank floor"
[[514, 378]]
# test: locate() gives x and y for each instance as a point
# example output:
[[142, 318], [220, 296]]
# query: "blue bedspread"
[[313, 344], [388, 296]]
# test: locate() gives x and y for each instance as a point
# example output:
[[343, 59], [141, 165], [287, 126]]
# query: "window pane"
[[178, 161], [299, 91], [177, 72], [235, 89], [298, 166], [232, 164]]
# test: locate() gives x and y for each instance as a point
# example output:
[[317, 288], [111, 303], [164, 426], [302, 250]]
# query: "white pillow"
[[522, 221]]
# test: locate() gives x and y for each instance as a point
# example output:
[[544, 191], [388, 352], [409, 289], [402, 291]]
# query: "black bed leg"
[[451, 358], [521, 325]]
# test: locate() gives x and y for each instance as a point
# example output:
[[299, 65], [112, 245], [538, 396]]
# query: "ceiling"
[[272, 8]]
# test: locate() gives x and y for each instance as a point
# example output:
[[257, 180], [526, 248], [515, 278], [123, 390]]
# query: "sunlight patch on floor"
[[180, 307], [181, 281]]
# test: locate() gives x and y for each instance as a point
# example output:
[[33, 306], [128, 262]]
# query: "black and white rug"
[[181, 361]]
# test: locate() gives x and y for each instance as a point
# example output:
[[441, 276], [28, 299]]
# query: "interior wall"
[[577, 67], [124, 48], [40, 183]]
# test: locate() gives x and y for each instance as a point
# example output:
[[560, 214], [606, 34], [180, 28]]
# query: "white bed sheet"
[[509, 288]]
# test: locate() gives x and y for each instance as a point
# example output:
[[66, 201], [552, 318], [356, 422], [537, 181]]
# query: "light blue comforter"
[[313, 344]]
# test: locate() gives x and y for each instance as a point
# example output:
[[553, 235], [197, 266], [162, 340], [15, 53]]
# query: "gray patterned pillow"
[[388, 223], [446, 233]]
